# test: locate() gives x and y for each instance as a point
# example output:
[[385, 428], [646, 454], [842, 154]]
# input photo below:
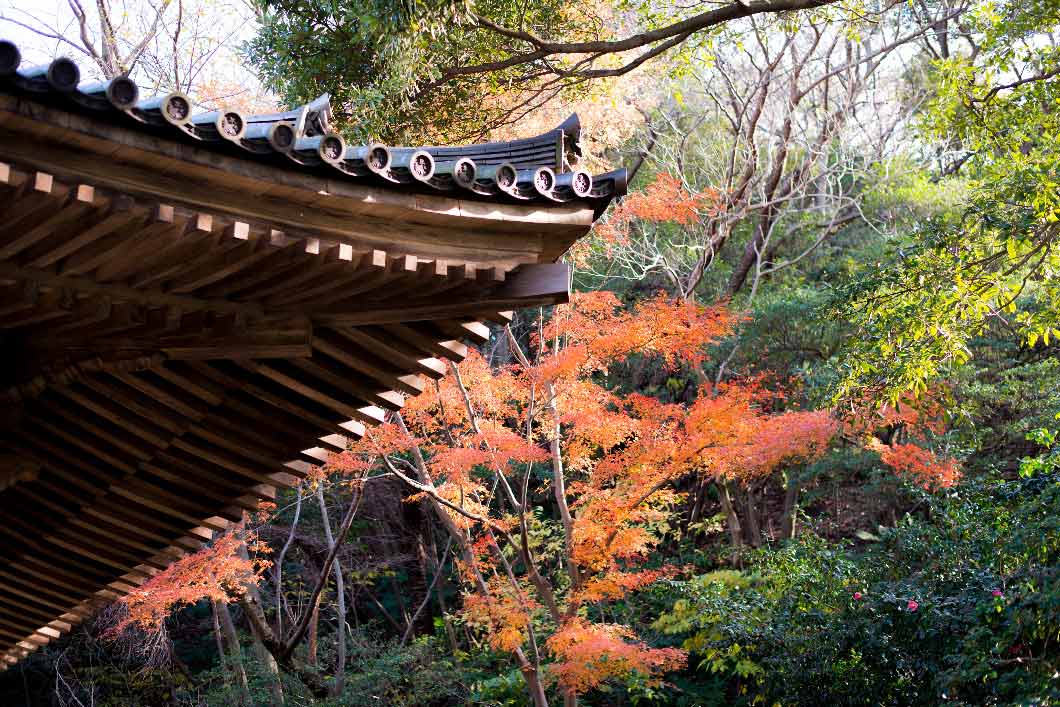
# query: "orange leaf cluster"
[[588, 654], [266, 509], [362, 455], [925, 413], [920, 465], [665, 200], [616, 584], [796, 435], [595, 331], [217, 572], [915, 418], [503, 615], [723, 435]]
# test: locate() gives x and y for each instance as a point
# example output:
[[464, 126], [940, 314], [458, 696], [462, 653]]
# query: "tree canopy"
[[442, 71]]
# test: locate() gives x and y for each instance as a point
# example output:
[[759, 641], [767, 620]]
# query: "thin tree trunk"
[[754, 528], [400, 596], [789, 524], [235, 657], [382, 610], [559, 488], [450, 632], [532, 679], [426, 597], [263, 654], [280, 557], [447, 621], [311, 640], [263, 630], [529, 670], [699, 500], [340, 602], [228, 629], [732, 519], [283, 648], [222, 655]]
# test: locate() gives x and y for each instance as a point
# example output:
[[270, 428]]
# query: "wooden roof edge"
[[304, 136], [331, 239], [533, 170], [81, 148], [64, 623]]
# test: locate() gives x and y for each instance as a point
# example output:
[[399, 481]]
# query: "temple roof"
[[536, 169], [195, 310]]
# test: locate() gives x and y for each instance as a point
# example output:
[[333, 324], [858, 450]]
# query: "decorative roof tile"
[[535, 169]]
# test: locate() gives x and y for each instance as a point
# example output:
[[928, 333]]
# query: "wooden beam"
[[529, 286], [340, 350], [80, 201], [395, 352], [311, 393], [152, 297], [344, 266], [451, 349], [340, 379], [328, 261], [476, 332], [122, 212], [171, 398], [387, 313]]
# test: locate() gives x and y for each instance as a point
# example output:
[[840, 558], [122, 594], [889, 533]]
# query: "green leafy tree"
[[416, 70], [995, 261]]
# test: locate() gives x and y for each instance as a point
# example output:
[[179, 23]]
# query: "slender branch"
[[279, 560], [49, 35], [303, 625], [660, 40], [427, 595]]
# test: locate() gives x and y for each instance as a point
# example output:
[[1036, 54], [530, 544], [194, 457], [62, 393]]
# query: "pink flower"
[[913, 605], [997, 593], [857, 596]]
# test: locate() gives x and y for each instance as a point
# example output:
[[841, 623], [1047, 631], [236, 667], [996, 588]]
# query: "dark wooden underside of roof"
[[166, 368]]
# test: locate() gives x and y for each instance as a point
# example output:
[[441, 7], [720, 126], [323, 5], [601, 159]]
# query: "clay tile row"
[[529, 170]]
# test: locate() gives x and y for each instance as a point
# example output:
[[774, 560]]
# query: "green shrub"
[[960, 606]]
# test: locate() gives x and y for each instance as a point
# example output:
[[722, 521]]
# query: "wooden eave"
[[81, 147], [187, 330]]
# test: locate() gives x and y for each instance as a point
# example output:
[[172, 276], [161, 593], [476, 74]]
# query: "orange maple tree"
[[218, 572], [545, 449], [554, 488]]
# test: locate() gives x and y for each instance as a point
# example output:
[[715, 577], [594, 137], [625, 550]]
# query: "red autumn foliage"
[[665, 200], [216, 572], [591, 653], [922, 466], [917, 416], [595, 331], [503, 614], [470, 446], [917, 419]]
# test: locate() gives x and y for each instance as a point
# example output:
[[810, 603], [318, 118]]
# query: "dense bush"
[[957, 605]]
